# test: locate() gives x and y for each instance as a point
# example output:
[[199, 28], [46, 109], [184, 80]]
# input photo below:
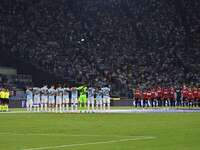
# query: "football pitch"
[[115, 131]]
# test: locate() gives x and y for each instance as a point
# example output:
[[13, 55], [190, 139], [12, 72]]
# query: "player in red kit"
[[159, 95], [184, 95], [153, 96], [137, 97], [190, 97], [166, 96], [145, 97], [196, 96], [172, 97]]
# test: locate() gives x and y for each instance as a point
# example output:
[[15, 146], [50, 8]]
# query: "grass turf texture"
[[172, 131]]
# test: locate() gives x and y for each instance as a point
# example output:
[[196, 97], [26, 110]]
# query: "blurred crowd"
[[122, 43]]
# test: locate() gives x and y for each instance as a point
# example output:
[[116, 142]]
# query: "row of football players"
[[60, 97], [182, 96]]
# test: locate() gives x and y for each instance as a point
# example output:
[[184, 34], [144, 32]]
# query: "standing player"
[[36, 92], [83, 98], [59, 98], [196, 96], [172, 97], [90, 92], [52, 93], [1, 106], [159, 95], [99, 94], [7, 95], [66, 97], [106, 98], [145, 98], [29, 97], [44, 91], [178, 97], [74, 98], [184, 95], [166, 96], [2, 99], [153, 97], [137, 97], [190, 97]]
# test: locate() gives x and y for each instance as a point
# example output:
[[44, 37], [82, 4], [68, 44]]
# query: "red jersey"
[[137, 94], [166, 93], [185, 92], [190, 94], [172, 93], [159, 92], [144, 93], [153, 93], [196, 93]]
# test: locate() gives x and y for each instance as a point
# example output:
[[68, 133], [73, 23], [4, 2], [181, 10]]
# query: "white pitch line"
[[4, 133], [123, 140]]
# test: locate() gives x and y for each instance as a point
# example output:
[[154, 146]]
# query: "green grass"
[[174, 131]]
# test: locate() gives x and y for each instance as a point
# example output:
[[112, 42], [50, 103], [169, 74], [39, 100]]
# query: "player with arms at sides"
[[36, 93], [74, 99], [190, 97], [172, 97], [106, 98], [7, 95], [178, 97], [153, 96], [29, 98], [2, 94], [196, 96], [59, 92], [159, 95], [52, 93], [166, 96], [44, 92], [66, 97], [185, 95], [90, 92], [99, 94], [145, 98], [83, 98], [137, 97]]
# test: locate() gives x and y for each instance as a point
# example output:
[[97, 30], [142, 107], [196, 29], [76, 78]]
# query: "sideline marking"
[[123, 140]]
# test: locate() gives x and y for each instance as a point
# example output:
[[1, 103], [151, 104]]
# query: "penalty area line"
[[123, 140]]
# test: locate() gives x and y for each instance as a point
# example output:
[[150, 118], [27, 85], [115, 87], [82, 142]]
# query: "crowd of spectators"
[[95, 41]]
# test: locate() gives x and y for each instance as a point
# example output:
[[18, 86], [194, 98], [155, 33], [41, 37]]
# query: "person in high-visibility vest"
[[6, 99], [2, 96]]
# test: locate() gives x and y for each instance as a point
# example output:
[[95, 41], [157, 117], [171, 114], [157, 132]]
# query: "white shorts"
[[106, 100], [58, 101], [44, 100], [74, 100], [37, 100], [52, 101], [65, 100], [29, 102], [98, 102], [90, 101]]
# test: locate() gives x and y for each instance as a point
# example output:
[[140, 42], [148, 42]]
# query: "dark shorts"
[[6, 101]]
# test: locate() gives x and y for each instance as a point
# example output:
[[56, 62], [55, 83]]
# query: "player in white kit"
[[44, 92], [52, 93], [106, 98], [29, 97], [66, 97], [98, 98], [59, 98], [90, 100], [36, 91], [74, 98]]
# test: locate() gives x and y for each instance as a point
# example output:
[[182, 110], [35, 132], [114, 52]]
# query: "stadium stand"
[[127, 43], [17, 83]]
